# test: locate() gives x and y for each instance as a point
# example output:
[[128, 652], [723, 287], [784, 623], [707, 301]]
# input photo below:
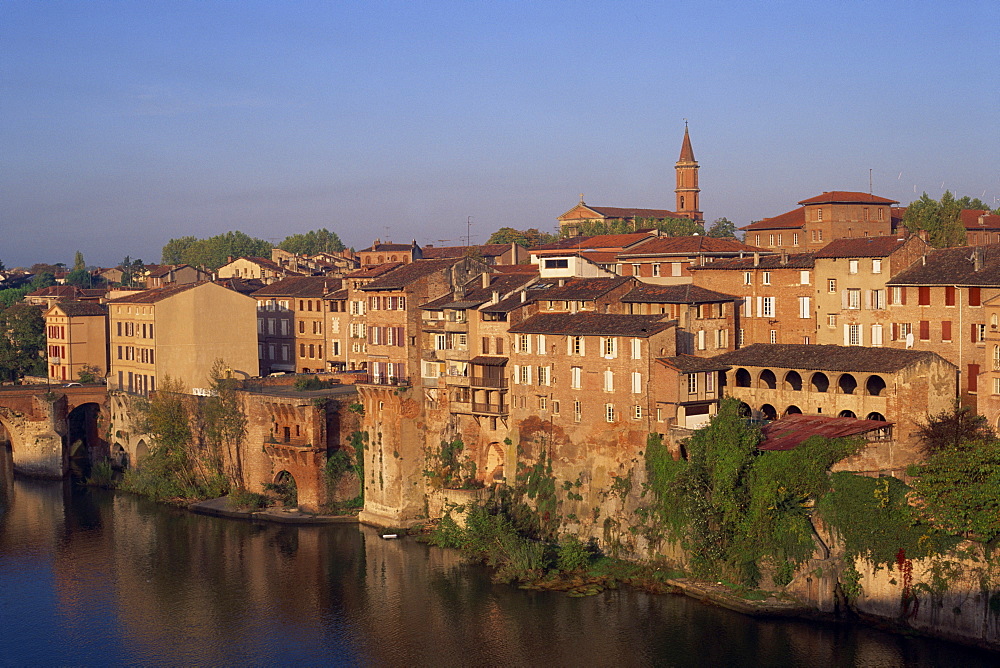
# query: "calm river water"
[[96, 578]]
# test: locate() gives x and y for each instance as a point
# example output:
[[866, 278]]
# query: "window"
[[975, 298], [543, 402], [636, 349], [973, 377], [831, 285], [774, 336], [978, 333], [852, 266], [577, 411], [740, 338], [701, 339], [876, 264], [747, 278], [766, 278], [925, 330], [636, 382], [609, 380], [523, 343], [575, 345], [996, 386], [946, 330], [924, 295], [804, 310], [853, 335], [555, 407], [636, 269], [819, 214], [576, 377], [637, 412], [692, 379], [609, 412], [949, 295], [541, 344], [525, 375], [543, 375], [779, 238], [876, 335], [557, 264], [795, 238], [656, 269], [609, 346], [767, 307], [853, 298], [803, 278], [770, 240], [898, 296], [878, 300]]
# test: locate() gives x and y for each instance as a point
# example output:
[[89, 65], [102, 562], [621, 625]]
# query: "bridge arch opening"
[[83, 440], [141, 451], [285, 489]]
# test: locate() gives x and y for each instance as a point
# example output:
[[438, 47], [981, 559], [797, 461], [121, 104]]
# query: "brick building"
[[851, 294], [897, 386], [291, 324], [667, 260], [777, 292], [706, 320], [76, 335], [821, 219], [938, 304]]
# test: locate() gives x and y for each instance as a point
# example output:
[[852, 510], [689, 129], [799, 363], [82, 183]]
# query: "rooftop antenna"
[[468, 231], [870, 190]]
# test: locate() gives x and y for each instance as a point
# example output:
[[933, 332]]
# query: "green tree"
[[950, 429], [941, 219], [528, 238], [214, 252], [958, 489], [174, 250], [722, 228], [22, 343], [225, 423], [81, 278], [313, 242], [78, 262], [132, 272]]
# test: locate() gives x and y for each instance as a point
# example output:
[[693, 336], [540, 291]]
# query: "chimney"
[[486, 280], [229, 258], [460, 291], [978, 258], [784, 257], [562, 282], [756, 258], [496, 297], [524, 296]]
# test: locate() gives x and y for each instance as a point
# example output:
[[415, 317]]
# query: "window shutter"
[[868, 299], [847, 335], [973, 376], [895, 331], [946, 330], [902, 295], [517, 374], [569, 345], [972, 333], [843, 299], [760, 306]]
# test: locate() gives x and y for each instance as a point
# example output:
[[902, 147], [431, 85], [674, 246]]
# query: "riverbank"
[[221, 507]]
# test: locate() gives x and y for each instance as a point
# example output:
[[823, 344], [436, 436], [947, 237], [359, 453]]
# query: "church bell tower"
[[687, 191]]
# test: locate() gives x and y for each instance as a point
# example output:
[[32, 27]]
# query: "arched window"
[[876, 416], [847, 384], [769, 412], [793, 381], [874, 386], [996, 358], [820, 383], [845, 413], [793, 410], [767, 380], [682, 202], [742, 378]]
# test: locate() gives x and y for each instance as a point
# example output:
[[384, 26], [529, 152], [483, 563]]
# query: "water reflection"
[[97, 578]]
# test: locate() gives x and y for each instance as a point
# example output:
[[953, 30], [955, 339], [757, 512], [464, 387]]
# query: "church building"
[[687, 195]]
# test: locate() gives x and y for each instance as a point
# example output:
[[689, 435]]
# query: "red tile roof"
[[771, 261], [845, 359], [593, 324], [403, 276], [688, 245], [861, 247], [515, 268], [156, 294], [974, 219], [299, 286], [374, 270], [486, 250], [847, 197], [598, 242], [622, 212], [647, 293], [793, 219]]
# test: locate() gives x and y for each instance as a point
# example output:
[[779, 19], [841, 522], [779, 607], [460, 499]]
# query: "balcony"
[[480, 381], [370, 379], [490, 409]]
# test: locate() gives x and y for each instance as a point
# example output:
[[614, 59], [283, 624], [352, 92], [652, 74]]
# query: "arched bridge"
[[48, 427]]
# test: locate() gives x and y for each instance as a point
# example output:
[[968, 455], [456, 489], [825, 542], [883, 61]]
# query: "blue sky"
[[125, 124]]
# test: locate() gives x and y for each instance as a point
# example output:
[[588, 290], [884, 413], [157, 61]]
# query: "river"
[[89, 577]]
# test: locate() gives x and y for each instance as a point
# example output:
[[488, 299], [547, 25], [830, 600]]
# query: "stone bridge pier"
[[41, 425]]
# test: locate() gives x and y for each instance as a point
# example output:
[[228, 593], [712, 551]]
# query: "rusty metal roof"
[[790, 431]]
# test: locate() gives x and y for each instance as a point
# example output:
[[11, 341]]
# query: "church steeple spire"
[[687, 190]]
